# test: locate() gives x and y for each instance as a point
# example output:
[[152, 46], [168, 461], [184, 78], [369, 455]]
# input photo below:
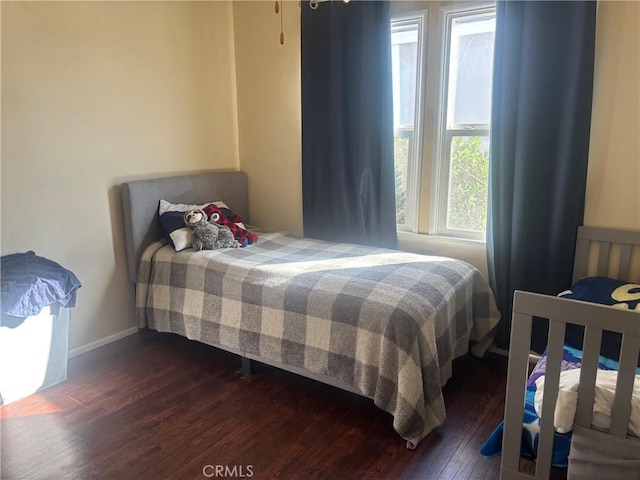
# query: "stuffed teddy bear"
[[224, 216], [207, 236]]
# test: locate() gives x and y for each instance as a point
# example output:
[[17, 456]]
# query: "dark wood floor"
[[157, 406]]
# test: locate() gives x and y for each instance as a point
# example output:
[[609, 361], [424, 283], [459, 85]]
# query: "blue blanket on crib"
[[571, 358], [30, 283]]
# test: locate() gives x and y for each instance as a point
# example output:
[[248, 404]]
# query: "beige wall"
[[269, 121], [269, 112], [613, 182], [94, 94]]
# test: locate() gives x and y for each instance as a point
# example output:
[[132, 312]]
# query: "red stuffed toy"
[[224, 216]]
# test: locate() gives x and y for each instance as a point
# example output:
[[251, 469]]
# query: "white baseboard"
[[499, 351], [533, 356], [103, 341]]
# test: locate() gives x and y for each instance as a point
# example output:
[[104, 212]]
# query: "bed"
[[582, 399], [380, 323]]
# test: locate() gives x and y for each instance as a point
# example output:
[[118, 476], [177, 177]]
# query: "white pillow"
[[183, 207]]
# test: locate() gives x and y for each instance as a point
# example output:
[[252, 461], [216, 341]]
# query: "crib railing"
[[595, 318]]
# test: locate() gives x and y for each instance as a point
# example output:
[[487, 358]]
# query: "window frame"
[[414, 164], [428, 167], [445, 132]]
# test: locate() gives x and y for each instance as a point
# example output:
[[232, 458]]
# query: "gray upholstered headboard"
[[140, 201]]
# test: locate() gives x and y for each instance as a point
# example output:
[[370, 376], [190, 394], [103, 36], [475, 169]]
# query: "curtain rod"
[[316, 3]]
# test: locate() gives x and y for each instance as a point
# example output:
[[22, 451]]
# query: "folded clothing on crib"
[[571, 360], [605, 389]]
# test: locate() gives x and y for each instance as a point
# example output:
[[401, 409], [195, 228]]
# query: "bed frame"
[[604, 252]]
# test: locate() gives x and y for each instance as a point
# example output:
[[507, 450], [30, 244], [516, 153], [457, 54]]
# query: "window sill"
[[410, 239], [471, 251]]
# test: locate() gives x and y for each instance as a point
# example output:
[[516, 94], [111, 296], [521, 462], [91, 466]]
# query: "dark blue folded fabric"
[[607, 291], [30, 283]]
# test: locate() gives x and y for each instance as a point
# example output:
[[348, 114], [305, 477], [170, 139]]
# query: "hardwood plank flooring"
[[158, 406]]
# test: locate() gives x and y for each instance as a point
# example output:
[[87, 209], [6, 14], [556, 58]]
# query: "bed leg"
[[245, 365]]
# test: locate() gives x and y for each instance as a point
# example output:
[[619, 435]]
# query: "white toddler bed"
[[595, 452]]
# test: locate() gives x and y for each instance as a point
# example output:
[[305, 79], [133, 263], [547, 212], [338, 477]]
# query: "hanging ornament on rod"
[[278, 9]]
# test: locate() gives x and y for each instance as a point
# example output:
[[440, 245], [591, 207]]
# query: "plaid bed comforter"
[[385, 322]]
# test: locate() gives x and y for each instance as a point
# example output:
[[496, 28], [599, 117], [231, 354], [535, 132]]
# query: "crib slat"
[[625, 261], [586, 389], [624, 386], [552, 378], [580, 260], [603, 258], [514, 400]]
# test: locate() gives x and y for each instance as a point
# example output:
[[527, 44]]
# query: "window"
[[442, 111], [406, 46]]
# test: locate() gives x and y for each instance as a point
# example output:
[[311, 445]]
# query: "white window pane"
[[404, 53], [468, 183], [470, 70], [401, 151]]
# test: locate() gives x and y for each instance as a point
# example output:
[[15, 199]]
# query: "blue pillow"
[[175, 231], [606, 291]]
